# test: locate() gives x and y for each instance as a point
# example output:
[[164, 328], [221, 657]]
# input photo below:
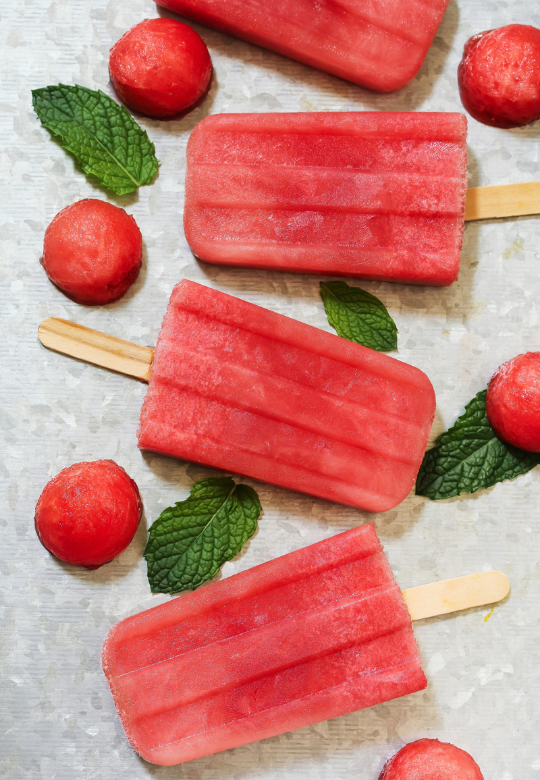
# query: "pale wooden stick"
[[441, 598], [97, 348], [504, 200]]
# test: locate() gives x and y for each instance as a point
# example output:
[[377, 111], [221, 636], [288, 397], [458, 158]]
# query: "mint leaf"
[[359, 316], [103, 137], [469, 456], [190, 541]]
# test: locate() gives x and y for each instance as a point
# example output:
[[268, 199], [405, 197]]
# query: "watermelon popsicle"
[[253, 392], [317, 633], [369, 195], [249, 391], [380, 44]]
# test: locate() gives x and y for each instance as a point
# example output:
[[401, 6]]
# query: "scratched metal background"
[[57, 717]]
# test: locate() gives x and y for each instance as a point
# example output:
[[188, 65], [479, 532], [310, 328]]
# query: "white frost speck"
[[460, 699], [435, 664]]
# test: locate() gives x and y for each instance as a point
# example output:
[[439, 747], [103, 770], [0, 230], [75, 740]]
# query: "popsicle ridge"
[[309, 228], [342, 474], [362, 677], [225, 634], [262, 711], [313, 634], [343, 13], [376, 263], [339, 380], [392, 24], [240, 186], [242, 317], [260, 588], [251, 391], [387, 141], [291, 403], [277, 646]]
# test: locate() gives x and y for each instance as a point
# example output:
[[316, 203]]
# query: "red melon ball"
[[513, 402], [92, 251], [429, 759], [88, 513], [160, 67], [499, 76]]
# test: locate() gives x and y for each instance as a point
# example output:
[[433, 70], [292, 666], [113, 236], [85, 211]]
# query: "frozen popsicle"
[[369, 195], [314, 634], [379, 44], [249, 391]]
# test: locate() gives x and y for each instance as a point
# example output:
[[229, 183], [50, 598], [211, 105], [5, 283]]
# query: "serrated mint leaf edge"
[[521, 460], [250, 528], [385, 339], [57, 132], [43, 93]]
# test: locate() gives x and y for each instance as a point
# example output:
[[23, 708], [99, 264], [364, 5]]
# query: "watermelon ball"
[[513, 402], [88, 513], [429, 759], [160, 67], [499, 76], [92, 251]]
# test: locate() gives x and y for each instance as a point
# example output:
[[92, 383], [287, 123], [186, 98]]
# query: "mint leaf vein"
[[103, 137], [359, 316], [469, 456], [190, 541]]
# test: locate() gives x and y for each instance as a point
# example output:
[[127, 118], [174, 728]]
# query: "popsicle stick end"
[[97, 348], [443, 598]]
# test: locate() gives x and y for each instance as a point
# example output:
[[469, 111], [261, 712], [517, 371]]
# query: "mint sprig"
[[359, 316], [469, 456], [190, 541], [102, 136]]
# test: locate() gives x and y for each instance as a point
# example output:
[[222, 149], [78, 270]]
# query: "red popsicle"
[[250, 391], [311, 635], [367, 195], [379, 44]]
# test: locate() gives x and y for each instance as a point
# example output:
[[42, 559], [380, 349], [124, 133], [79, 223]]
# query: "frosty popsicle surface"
[[379, 44], [369, 195], [249, 391], [317, 633]]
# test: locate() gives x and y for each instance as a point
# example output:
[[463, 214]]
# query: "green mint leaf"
[[469, 456], [359, 316], [102, 136], [190, 541]]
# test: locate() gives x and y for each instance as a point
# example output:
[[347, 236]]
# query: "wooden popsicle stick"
[[504, 200], [97, 348], [441, 598]]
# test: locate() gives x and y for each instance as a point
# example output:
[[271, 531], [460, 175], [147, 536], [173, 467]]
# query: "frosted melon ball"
[[88, 513], [92, 251], [429, 759], [499, 76], [513, 402], [160, 67]]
